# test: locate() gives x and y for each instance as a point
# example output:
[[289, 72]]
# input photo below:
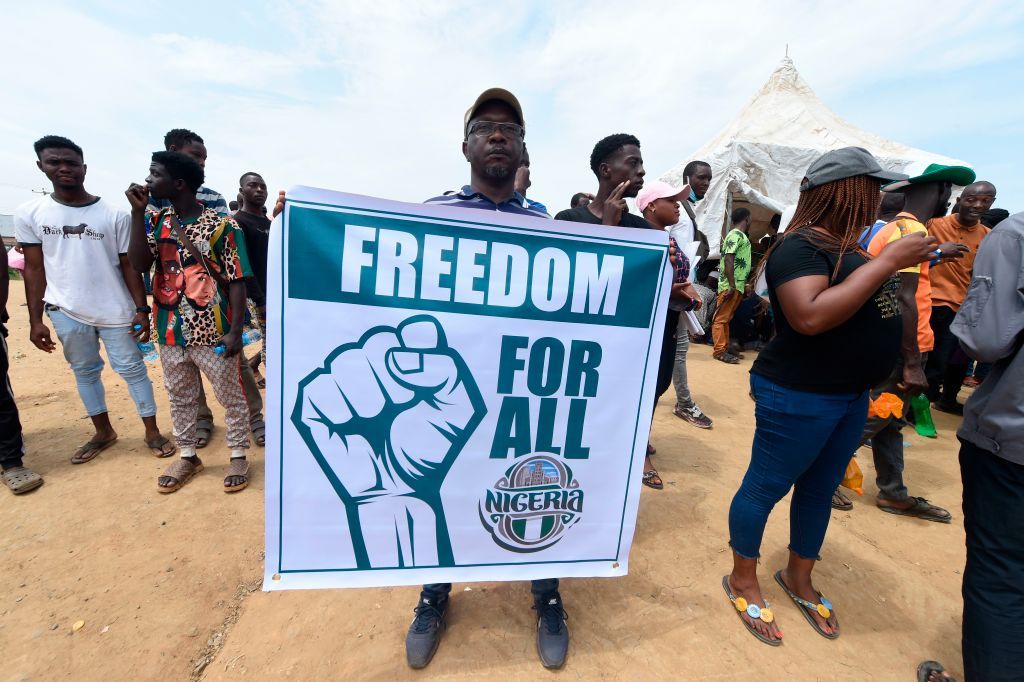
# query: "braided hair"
[[842, 209]]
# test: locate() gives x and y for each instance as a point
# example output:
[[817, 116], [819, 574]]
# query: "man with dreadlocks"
[[925, 197], [838, 334]]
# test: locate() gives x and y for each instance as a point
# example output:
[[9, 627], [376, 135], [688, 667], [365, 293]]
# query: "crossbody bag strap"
[[187, 243]]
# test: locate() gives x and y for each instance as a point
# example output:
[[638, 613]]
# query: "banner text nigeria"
[[543, 371], [489, 273]]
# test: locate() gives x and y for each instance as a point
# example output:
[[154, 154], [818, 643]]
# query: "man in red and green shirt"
[[199, 302]]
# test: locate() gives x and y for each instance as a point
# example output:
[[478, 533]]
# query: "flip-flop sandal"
[[823, 608], [89, 451], [926, 668], [20, 480], [841, 502], [922, 509], [204, 430], [763, 613], [653, 480], [727, 358], [161, 447], [259, 432], [181, 472], [238, 467]]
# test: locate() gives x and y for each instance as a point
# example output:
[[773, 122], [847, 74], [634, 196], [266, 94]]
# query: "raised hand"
[[138, 196], [615, 205], [385, 418]]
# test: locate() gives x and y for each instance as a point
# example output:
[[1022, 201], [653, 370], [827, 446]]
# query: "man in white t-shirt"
[[77, 271]]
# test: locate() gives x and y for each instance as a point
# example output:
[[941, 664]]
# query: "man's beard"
[[497, 172]]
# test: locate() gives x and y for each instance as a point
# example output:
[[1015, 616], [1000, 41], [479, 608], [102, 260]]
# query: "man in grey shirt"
[[990, 326]]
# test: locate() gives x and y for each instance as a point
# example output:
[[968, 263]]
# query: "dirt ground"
[[168, 586]]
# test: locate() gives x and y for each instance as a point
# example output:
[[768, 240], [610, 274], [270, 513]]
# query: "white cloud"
[[368, 97]]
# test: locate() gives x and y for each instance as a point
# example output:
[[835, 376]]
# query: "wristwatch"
[[144, 309]]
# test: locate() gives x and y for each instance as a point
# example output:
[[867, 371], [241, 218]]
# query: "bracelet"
[[144, 309]]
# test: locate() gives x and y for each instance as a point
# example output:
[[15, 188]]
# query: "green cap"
[[921, 173]]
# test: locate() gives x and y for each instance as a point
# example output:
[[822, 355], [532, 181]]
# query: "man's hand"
[[522, 182], [392, 411], [39, 334], [952, 251], [914, 381], [138, 197], [232, 343], [278, 205], [748, 289], [615, 205], [140, 327]]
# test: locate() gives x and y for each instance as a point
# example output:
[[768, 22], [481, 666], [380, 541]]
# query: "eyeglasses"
[[487, 128]]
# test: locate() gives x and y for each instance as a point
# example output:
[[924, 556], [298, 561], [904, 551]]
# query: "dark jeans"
[[994, 578], [947, 363], [541, 589], [12, 447], [804, 441], [885, 434]]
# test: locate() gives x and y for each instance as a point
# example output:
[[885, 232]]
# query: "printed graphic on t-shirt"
[[887, 298], [66, 231]]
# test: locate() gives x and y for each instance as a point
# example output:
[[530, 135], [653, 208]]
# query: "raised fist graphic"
[[385, 418]]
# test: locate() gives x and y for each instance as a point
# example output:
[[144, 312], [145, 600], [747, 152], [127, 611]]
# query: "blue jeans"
[[804, 441], [81, 344]]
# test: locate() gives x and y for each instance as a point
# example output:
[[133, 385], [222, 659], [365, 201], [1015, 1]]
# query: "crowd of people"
[[872, 298]]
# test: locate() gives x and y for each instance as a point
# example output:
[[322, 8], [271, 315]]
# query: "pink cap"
[[658, 190]]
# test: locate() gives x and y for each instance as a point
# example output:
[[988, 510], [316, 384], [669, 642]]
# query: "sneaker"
[[552, 632], [425, 632], [693, 415]]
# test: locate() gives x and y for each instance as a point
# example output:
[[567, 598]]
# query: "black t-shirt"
[[850, 358], [256, 229], [582, 214]]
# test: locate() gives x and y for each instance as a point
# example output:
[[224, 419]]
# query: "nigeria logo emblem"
[[533, 505]]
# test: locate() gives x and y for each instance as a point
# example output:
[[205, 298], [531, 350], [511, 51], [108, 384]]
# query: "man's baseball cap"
[[921, 172], [499, 94], [847, 162], [657, 190]]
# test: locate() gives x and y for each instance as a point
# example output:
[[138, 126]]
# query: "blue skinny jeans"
[[803, 441]]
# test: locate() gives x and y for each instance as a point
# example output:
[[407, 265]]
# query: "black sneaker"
[[552, 632], [425, 632], [693, 415]]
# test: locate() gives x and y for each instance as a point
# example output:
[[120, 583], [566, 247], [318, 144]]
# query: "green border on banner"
[[576, 236]]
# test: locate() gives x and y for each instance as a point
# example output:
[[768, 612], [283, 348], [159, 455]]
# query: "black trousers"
[[541, 589], [11, 444], [994, 578], [947, 364]]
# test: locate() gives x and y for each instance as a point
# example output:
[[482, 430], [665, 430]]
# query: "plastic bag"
[[886, 405], [853, 479]]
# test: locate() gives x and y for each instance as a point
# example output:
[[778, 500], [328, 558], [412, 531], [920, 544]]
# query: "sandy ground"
[[167, 586]]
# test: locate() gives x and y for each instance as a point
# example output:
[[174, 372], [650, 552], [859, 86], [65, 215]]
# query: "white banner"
[[455, 394]]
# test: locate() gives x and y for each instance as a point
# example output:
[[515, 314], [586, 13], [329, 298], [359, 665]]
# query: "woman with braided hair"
[[838, 334]]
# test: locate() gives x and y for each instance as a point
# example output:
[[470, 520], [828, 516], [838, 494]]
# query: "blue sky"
[[369, 97]]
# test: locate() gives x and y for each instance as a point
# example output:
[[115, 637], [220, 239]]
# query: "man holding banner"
[[447, 387], [494, 133]]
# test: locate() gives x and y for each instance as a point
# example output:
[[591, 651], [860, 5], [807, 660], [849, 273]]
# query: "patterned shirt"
[[737, 244], [190, 307]]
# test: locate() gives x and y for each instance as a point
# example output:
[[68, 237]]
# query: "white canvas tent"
[[759, 159]]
